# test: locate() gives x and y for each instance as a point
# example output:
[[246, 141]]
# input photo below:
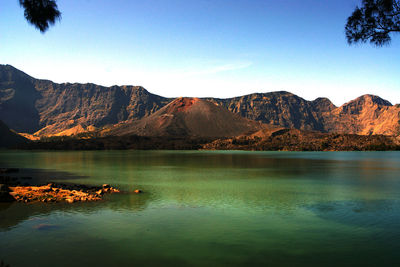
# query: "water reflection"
[[381, 213], [13, 214], [280, 182], [33, 176]]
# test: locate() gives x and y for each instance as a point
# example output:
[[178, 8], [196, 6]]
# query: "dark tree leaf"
[[41, 13], [374, 22]]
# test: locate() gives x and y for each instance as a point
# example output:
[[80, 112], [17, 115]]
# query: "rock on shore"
[[58, 193]]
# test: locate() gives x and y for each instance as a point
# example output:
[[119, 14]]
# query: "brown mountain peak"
[[364, 102], [186, 116], [369, 99], [181, 104], [323, 104]]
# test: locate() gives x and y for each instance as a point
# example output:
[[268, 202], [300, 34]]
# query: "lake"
[[210, 208]]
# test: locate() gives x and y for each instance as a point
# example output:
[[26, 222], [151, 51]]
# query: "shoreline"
[[59, 193], [16, 188], [280, 140]]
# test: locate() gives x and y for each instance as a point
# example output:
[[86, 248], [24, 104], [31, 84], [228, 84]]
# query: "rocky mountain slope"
[[31, 105], [365, 115], [280, 108], [192, 117]]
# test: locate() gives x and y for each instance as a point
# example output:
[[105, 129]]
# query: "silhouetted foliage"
[[374, 21], [293, 140], [41, 13], [117, 142]]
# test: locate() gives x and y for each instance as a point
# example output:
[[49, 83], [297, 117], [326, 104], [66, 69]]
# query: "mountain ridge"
[[46, 108]]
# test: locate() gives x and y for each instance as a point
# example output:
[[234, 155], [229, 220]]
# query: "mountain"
[[280, 108], [365, 115], [30, 105], [18, 96], [43, 107], [192, 117], [9, 139], [368, 114]]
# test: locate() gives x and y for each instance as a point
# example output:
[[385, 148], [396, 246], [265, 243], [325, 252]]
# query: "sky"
[[204, 48]]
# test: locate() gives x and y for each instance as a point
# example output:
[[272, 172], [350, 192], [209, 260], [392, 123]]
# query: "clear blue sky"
[[219, 48]]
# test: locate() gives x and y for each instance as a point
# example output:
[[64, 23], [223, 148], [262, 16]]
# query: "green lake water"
[[201, 208]]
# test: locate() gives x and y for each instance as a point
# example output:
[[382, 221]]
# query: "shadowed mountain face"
[[31, 105], [8, 138], [18, 96], [65, 106], [189, 117]]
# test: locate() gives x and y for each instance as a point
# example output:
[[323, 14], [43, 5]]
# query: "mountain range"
[[44, 108]]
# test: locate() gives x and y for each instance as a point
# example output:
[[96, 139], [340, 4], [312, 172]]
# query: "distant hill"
[[31, 105], [9, 139], [192, 117], [271, 139]]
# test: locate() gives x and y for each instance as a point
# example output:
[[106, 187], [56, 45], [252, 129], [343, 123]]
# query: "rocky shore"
[[12, 190], [54, 193]]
